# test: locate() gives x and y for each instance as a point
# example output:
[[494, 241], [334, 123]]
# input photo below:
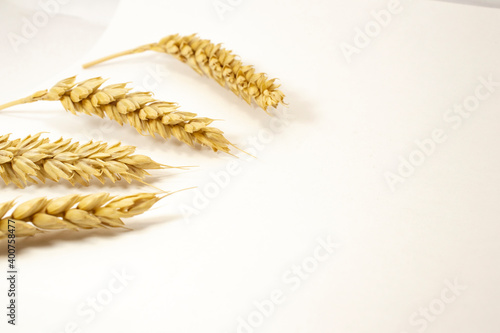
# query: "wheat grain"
[[23, 160], [216, 62], [138, 109], [73, 212]]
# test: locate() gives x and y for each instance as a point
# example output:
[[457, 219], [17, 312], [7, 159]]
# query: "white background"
[[322, 176]]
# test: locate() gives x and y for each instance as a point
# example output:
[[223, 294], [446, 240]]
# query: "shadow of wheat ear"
[[137, 109]]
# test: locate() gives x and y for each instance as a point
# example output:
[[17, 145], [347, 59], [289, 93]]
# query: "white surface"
[[322, 176], [487, 3]]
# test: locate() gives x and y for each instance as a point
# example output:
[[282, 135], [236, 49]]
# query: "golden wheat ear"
[[26, 160], [73, 212], [137, 109], [220, 64]]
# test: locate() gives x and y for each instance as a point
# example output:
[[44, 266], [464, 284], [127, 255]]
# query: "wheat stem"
[[139, 49], [25, 100]]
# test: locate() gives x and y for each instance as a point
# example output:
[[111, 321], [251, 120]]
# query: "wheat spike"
[[216, 62], [22, 160], [73, 212], [138, 109]]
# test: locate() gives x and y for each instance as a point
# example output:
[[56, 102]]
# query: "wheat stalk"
[[138, 109], [23, 159], [73, 212], [216, 62]]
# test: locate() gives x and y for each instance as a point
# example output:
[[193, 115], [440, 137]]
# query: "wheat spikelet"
[[21, 160], [73, 212], [216, 62], [138, 109]]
